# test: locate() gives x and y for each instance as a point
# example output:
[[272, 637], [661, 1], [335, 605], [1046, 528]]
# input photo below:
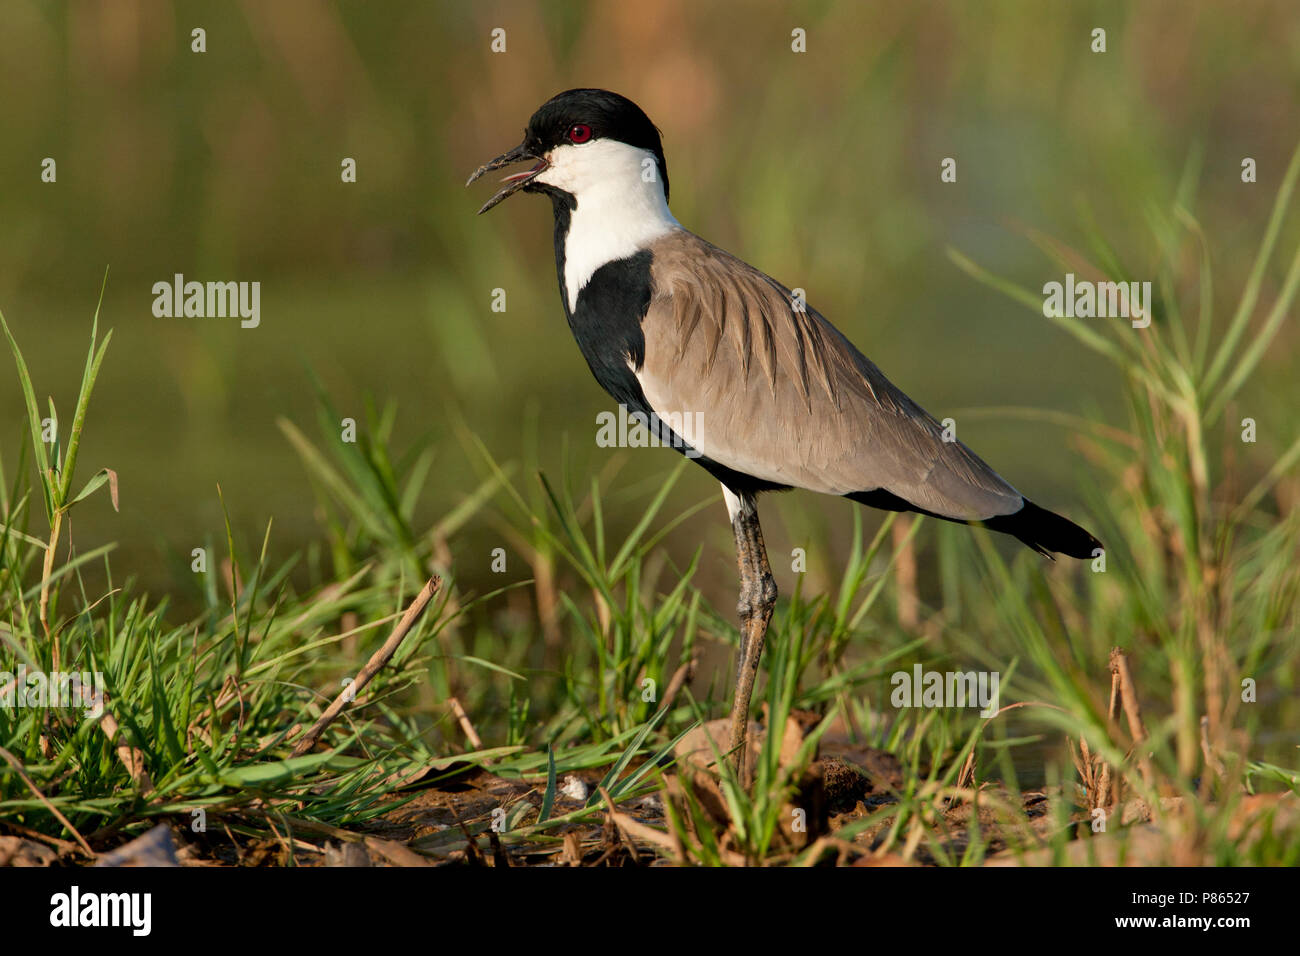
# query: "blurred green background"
[[821, 168]]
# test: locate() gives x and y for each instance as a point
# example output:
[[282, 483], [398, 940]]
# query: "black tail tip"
[[1046, 532]]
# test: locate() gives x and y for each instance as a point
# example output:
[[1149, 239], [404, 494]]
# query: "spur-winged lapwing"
[[679, 331]]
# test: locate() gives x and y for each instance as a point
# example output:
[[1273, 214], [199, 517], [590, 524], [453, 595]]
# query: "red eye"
[[579, 133]]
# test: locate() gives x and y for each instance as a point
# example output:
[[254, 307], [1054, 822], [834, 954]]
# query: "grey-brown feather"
[[783, 396]]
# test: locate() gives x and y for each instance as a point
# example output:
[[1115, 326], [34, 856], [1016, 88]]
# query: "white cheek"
[[563, 169]]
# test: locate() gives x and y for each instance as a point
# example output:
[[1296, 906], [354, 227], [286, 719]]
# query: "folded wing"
[[781, 395]]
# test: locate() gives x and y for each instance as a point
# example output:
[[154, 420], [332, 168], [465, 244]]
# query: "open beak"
[[515, 181]]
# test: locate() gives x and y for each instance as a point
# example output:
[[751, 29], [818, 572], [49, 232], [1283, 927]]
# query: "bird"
[[677, 330]]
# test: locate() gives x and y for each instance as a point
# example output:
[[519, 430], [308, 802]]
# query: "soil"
[[455, 818]]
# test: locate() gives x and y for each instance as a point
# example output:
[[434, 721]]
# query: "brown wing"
[[783, 396]]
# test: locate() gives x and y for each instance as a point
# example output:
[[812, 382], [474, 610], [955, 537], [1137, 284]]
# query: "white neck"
[[621, 207]]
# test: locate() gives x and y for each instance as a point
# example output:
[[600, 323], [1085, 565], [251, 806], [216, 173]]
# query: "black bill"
[[515, 181]]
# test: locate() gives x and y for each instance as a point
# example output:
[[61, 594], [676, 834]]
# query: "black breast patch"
[[606, 322]]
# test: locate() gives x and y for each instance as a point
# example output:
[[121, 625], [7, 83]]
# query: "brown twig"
[[1212, 761], [132, 758], [373, 666], [22, 775], [967, 775], [463, 719], [905, 575], [1102, 788], [1128, 698], [627, 828], [1108, 790], [680, 677]]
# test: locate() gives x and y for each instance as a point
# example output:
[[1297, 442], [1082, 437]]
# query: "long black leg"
[[757, 600]]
